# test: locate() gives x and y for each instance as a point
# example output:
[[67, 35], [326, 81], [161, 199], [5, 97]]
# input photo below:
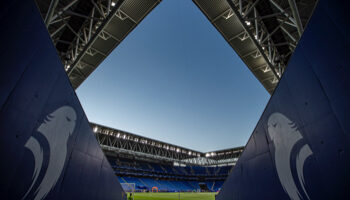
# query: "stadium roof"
[[264, 33], [85, 32], [119, 141]]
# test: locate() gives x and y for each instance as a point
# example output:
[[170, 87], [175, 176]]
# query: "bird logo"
[[56, 129], [285, 134]]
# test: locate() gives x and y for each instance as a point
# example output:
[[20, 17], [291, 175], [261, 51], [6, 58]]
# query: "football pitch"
[[174, 196]]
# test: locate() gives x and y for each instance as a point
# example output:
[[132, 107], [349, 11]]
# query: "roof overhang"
[[264, 33], [123, 142], [86, 32]]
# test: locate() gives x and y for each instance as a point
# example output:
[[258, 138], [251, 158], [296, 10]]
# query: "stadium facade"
[[298, 150]]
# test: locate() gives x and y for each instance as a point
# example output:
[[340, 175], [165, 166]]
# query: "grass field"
[[174, 196]]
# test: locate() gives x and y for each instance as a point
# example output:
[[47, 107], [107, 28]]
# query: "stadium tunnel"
[[299, 146]]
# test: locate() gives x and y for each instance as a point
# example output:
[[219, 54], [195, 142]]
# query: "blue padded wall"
[[300, 146], [47, 148]]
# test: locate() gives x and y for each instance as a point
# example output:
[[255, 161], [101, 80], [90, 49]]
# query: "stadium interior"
[[169, 178], [149, 163], [298, 150]]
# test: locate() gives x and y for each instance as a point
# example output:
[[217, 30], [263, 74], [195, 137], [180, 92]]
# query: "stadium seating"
[[166, 177]]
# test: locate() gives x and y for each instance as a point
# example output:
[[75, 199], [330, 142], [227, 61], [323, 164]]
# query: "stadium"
[[146, 165], [299, 148]]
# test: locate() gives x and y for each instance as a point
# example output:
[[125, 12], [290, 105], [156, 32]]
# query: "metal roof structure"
[[264, 33], [122, 142], [85, 32]]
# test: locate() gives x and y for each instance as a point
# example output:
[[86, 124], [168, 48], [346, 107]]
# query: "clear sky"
[[175, 79]]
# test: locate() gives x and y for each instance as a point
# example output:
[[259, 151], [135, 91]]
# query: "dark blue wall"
[[47, 148], [300, 146]]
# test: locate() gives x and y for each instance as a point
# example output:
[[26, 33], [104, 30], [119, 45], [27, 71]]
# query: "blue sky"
[[175, 79]]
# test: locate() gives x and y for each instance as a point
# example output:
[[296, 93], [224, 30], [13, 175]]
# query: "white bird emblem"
[[56, 128], [285, 134]]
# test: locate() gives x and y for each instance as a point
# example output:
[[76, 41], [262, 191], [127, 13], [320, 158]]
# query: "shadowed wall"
[[47, 147], [300, 146]]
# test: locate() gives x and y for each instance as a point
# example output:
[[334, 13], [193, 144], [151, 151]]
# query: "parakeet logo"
[[285, 134], [56, 129]]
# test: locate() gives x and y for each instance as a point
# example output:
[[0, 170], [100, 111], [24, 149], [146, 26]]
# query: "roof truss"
[[264, 33]]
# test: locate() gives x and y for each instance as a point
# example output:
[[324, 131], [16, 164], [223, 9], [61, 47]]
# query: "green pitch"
[[174, 196]]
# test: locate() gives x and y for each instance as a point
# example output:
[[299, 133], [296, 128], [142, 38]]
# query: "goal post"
[[129, 189]]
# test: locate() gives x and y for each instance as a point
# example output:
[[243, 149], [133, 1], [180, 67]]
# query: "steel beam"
[[294, 8], [251, 35], [50, 12], [94, 37]]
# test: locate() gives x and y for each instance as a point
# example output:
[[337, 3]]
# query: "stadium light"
[[67, 67], [247, 22], [95, 129], [113, 4]]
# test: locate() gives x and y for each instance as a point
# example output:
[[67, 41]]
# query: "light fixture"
[[113, 4], [229, 14]]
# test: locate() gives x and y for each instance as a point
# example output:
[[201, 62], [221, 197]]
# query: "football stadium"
[[144, 165], [299, 148]]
